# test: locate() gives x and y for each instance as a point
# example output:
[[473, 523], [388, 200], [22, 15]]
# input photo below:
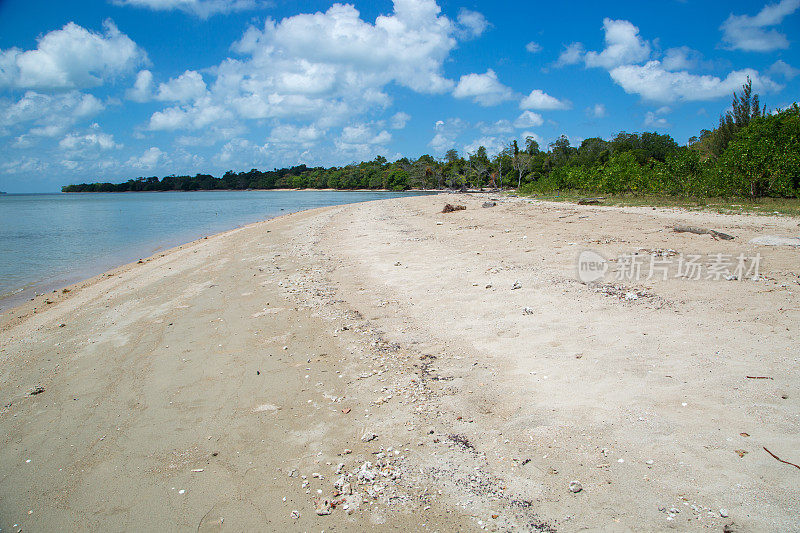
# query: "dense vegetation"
[[752, 153]]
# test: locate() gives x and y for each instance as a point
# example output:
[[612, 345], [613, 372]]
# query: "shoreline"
[[52, 284], [384, 344]]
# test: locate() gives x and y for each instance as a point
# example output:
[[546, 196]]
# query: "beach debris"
[[781, 460], [527, 311], [346, 410], [489, 204], [723, 513], [775, 240], [591, 201], [703, 231], [741, 453], [575, 487], [36, 390], [758, 377], [323, 507], [368, 436], [295, 514], [516, 285], [449, 208]]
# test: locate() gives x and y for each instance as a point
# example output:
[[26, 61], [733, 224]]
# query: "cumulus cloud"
[[446, 133], [528, 119], [150, 159], [484, 89], [571, 55], [399, 120], [324, 68], [48, 115], [533, 47], [756, 33], [200, 114], [623, 43], [142, 89], [98, 140], [681, 58], [288, 134], [70, 58], [541, 100], [653, 82], [472, 23], [200, 8], [781, 68], [500, 126], [656, 119], [187, 87], [597, 111]]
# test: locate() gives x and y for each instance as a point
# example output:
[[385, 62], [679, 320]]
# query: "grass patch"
[[763, 206]]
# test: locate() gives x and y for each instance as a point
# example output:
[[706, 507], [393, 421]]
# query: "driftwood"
[[450, 208], [703, 231], [591, 201]]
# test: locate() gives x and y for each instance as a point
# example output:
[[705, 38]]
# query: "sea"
[[48, 241]]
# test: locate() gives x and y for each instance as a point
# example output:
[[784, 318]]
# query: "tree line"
[[751, 153]]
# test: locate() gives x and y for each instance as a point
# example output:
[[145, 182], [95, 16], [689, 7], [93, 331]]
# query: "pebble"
[[575, 486], [723, 513], [649, 462], [368, 436], [295, 515], [516, 286]]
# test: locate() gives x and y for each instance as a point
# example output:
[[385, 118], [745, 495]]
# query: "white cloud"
[[652, 82], [533, 47], [493, 145], [202, 113], [541, 100], [187, 87], [623, 46], [150, 159], [571, 55], [782, 68], [597, 111], [743, 32], [200, 8], [70, 58], [681, 58], [48, 115], [656, 119], [484, 89], [142, 89], [399, 120], [326, 68], [446, 134], [500, 126], [99, 140], [288, 134], [528, 119], [472, 22]]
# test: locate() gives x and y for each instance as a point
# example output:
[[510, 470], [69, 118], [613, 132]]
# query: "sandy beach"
[[385, 366]]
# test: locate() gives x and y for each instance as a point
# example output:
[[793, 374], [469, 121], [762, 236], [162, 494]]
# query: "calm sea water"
[[47, 240]]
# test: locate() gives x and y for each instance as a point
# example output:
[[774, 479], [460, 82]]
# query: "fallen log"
[[703, 231]]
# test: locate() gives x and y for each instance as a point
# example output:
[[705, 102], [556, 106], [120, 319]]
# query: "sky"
[[109, 90]]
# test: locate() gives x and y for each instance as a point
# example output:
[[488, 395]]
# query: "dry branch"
[[703, 231]]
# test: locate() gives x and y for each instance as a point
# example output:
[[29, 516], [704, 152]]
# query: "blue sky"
[[115, 89]]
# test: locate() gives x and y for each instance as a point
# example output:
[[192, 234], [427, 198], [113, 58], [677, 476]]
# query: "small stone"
[[323, 507], [295, 515], [516, 285], [368, 436], [575, 486], [723, 513], [649, 462]]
